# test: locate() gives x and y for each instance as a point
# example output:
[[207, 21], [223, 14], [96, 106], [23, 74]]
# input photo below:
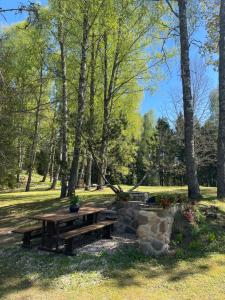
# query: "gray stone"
[[134, 224], [162, 227], [143, 232], [142, 220], [157, 245], [127, 220], [122, 211], [130, 230], [134, 204], [130, 212], [139, 196], [154, 228], [119, 227]]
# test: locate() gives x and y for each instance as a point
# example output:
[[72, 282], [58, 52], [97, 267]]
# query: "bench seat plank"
[[76, 232], [27, 229]]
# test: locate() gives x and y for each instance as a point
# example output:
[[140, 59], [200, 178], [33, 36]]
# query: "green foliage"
[[199, 216], [180, 252], [74, 200], [147, 149], [135, 144], [210, 11], [171, 198], [212, 237], [179, 237], [195, 245]]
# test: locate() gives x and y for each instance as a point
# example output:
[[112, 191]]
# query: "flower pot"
[[74, 208]]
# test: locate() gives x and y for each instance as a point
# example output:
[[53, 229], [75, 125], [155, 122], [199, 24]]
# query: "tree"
[[81, 102], [91, 124], [191, 169], [214, 106], [221, 132], [146, 155], [164, 151], [61, 36], [39, 33]]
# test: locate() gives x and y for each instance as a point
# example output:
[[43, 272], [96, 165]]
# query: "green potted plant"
[[74, 203]]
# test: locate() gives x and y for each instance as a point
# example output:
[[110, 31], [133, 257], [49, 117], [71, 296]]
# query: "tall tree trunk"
[[105, 126], [94, 54], [81, 106], [36, 134], [20, 162], [52, 164], [81, 172], [52, 144], [88, 173], [108, 95], [221, 132], [56, 167], [191, 169], [64, 110]]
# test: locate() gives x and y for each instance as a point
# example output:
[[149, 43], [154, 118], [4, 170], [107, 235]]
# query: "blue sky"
[[161, 97]]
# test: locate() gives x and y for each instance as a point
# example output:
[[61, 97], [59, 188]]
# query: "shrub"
[[212, 237], [195, 245], [167, 200]]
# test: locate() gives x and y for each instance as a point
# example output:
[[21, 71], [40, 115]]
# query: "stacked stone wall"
[[152, 226]]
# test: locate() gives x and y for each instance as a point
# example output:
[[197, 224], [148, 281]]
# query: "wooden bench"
[[105, 226], [29, 233]]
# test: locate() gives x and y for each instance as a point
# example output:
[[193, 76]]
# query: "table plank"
[[65, 215]]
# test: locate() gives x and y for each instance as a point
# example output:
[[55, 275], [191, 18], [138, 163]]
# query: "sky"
[[160, 99]]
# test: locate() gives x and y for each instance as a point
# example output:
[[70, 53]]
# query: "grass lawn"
[[196, 273]]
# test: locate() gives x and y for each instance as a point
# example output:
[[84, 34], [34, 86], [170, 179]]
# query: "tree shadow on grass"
[[17, 215], [22, 269]]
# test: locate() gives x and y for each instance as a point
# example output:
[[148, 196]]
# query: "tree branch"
[[171, 8]]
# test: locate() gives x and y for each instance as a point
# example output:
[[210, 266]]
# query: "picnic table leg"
[[43, 234], [90, 219], [57, 236], [96, 217], [107, 232], [69, 223], [69, 247], [51, 231], [26, 240]]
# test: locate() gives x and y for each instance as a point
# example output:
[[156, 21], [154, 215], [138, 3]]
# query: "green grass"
[[195, 273]]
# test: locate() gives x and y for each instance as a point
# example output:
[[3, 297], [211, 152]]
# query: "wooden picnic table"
[[51, 223]]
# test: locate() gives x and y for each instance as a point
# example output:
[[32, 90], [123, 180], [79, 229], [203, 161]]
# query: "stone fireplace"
[[152, 225]]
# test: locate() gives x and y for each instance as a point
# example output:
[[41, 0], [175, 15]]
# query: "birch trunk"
[[81, 106], [88, 173], [51, 153], [105, 117], [64, 110], [56, 169], [20, 162], [52, 164], [36, 134], [108, 95], [94, 54]]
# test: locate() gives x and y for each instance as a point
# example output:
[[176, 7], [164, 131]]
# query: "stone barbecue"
[[151, 224]]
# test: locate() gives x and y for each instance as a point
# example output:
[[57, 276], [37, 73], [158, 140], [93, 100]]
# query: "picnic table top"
[[64, 215]]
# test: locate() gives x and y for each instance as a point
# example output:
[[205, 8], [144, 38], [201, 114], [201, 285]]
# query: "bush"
[[212, 237], [167, 200], [195, 245]]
